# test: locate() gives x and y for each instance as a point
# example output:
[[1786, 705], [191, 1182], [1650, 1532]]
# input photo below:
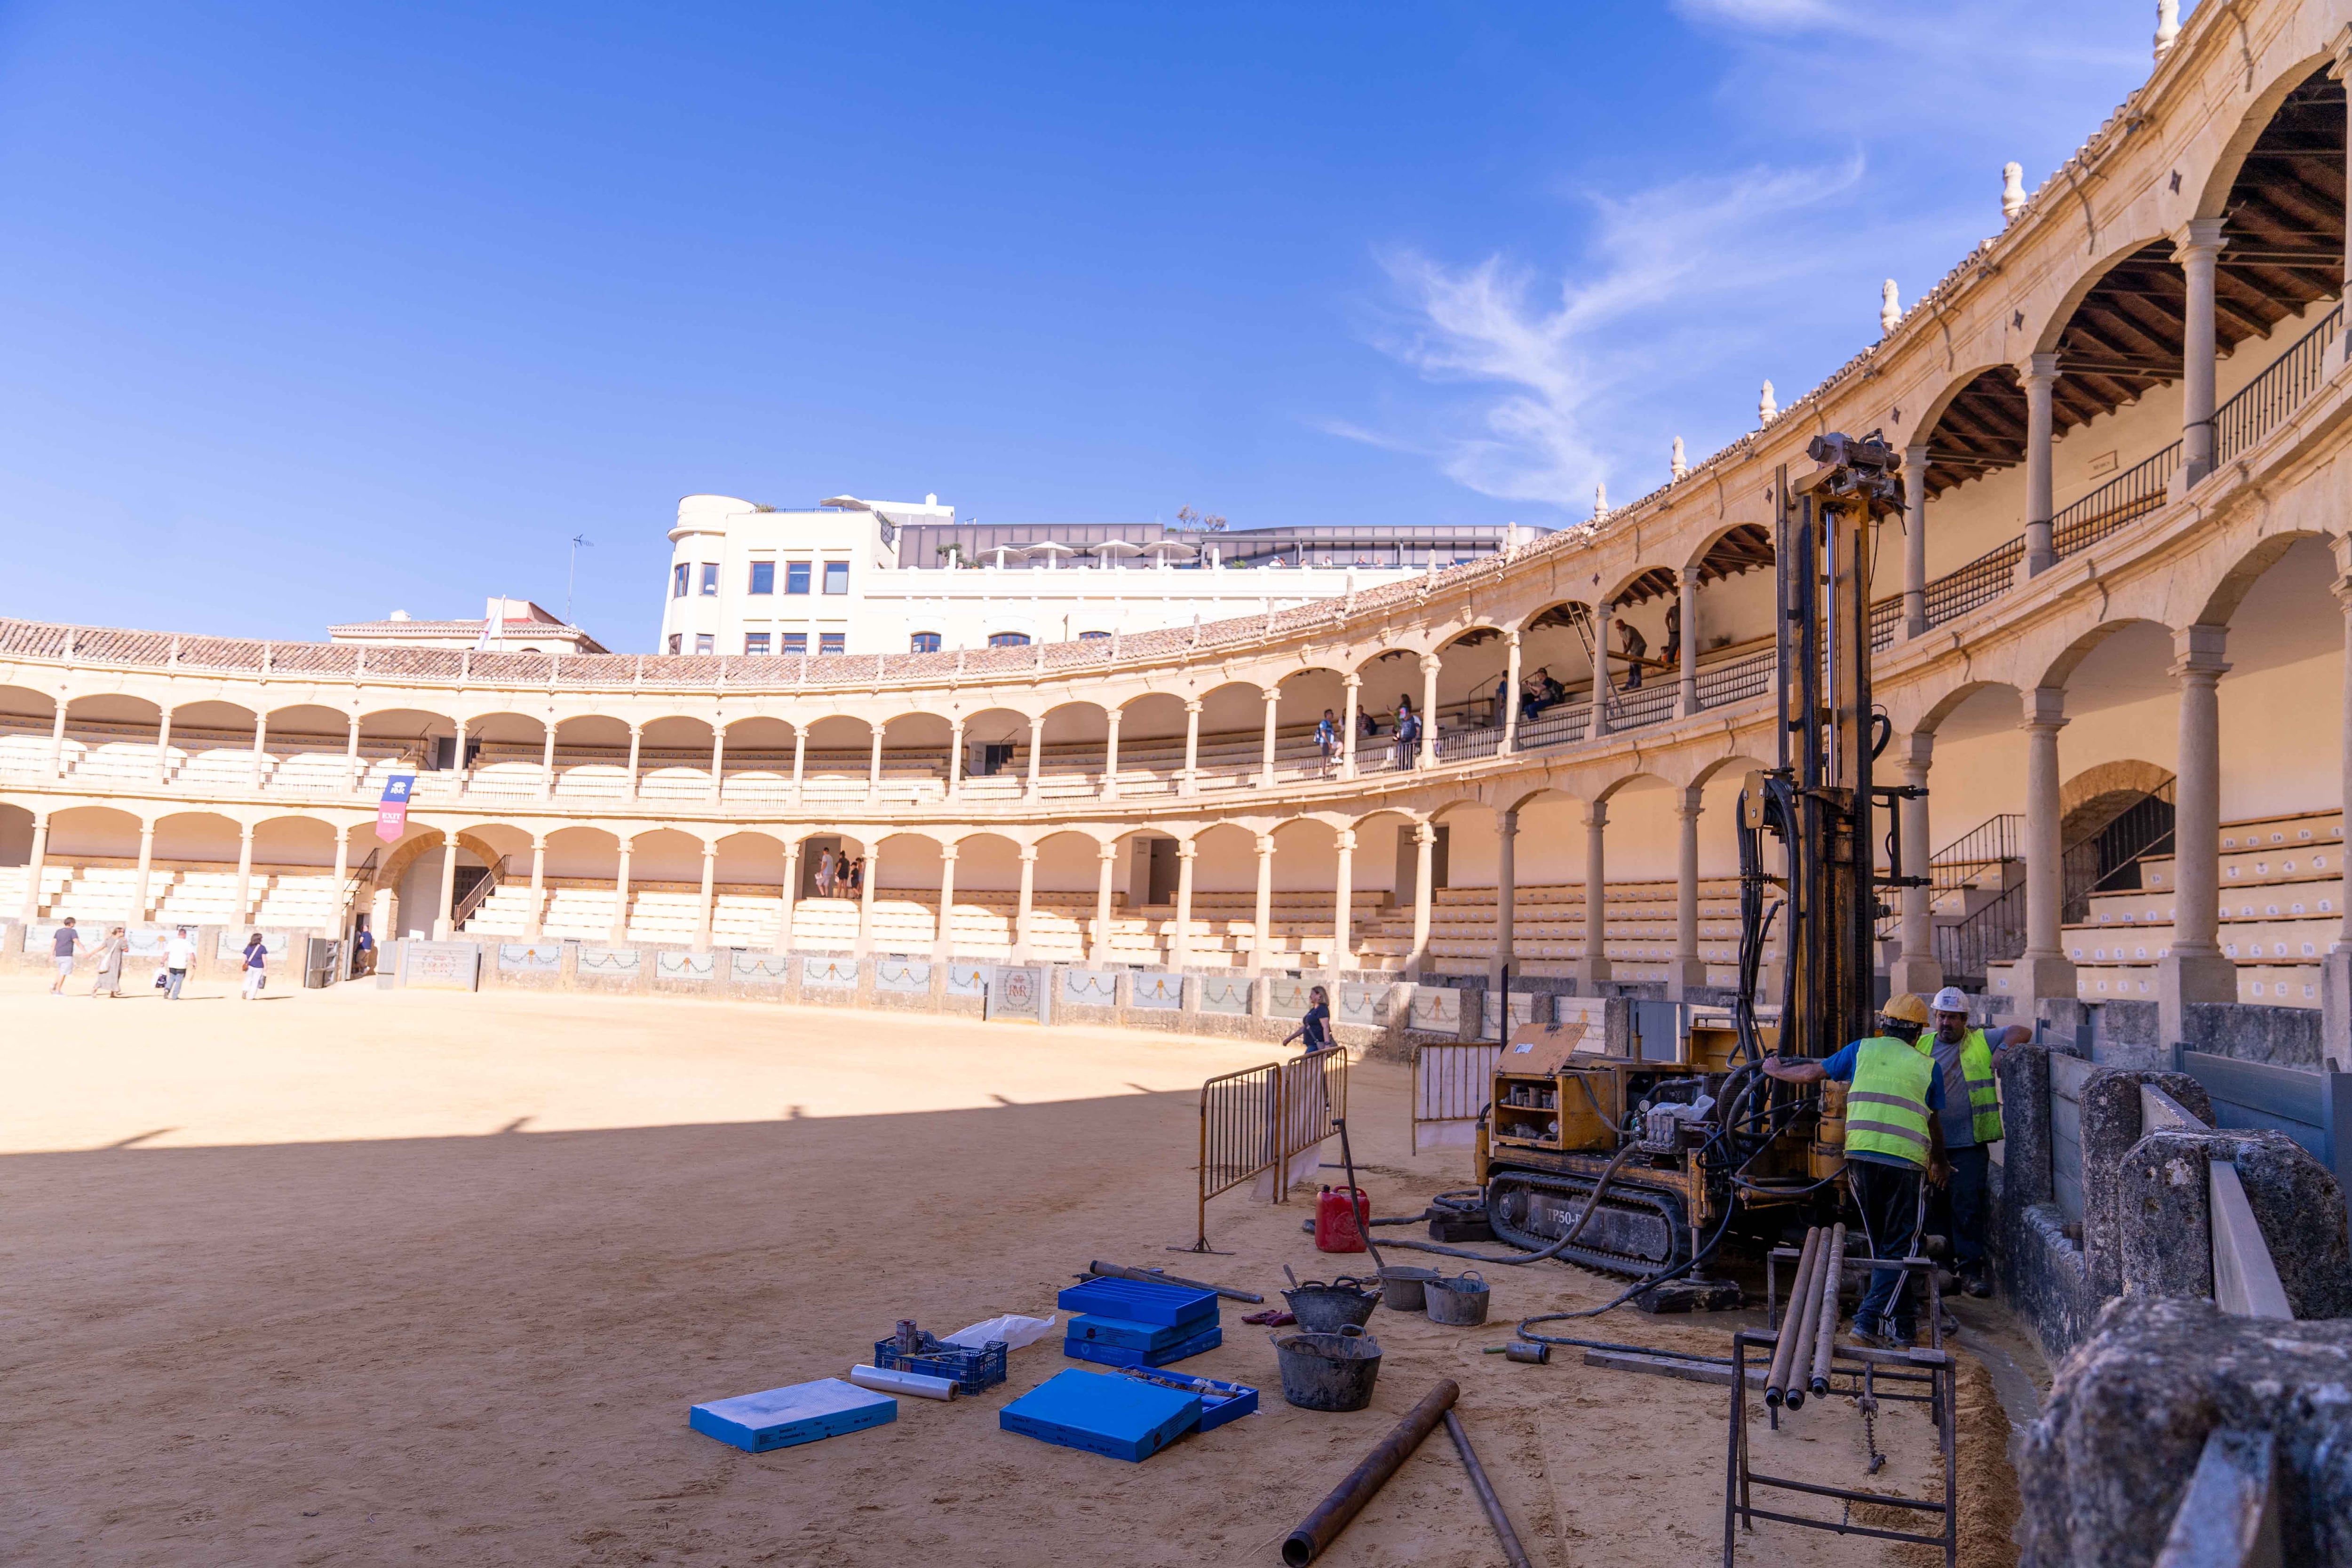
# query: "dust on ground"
[[367, 1276]]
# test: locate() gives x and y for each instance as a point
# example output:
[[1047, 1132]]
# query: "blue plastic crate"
[[781, 1418], [1137, 1303], [1102, 1414], [1120, 1355], [1130, 1335], [970, 1369], [1220, 1402]]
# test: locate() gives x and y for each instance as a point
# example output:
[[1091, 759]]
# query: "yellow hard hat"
[[1906, 1008]]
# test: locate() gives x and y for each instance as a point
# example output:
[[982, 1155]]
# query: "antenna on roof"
[[578, 542]]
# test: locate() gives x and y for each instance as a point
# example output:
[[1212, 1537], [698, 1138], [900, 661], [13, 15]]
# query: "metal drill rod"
[[1825, 1326], [1784, 1346], [1512, 1550]]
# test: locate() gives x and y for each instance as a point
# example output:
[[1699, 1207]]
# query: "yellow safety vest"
[[1887, 1109], [1973, 1078]]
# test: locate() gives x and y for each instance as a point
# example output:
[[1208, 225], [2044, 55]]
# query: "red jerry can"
[[1339, 1225]]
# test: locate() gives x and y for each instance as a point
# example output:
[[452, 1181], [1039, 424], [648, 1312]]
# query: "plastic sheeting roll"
[[915, 1383]]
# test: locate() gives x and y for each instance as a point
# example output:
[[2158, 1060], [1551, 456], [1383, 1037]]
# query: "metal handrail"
[[478, 894], [2137, 491], [2270, 398]]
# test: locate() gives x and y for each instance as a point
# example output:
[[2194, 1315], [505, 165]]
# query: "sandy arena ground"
[[374, 1276]]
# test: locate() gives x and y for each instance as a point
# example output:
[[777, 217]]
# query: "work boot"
[[1976, 1285], [1872, 1332]]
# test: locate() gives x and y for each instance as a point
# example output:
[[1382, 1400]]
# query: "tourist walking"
[[257, 962], [824, 873], [1314, 1026], [110, 963], [179, 954], [62, 947], [362, 949]]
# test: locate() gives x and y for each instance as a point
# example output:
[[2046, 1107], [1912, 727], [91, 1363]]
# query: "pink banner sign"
[[392, 811]]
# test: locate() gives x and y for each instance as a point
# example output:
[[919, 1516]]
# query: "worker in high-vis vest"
[[1966, 1059], [1893, 1140]]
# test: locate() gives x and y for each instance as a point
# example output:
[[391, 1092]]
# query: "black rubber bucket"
[[1323, 1308], [1461, 1300], [1400, 1289], [1328, 1371]]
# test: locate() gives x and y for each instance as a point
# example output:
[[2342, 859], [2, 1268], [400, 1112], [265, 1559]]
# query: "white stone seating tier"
[[103, 889], [1548, 930]]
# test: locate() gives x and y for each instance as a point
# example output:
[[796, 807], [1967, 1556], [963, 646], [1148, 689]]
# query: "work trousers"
[[1963, 1207], [1888, 1197]]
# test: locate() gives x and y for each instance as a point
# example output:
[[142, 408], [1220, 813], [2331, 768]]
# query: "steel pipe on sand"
[[1784, 1343], [1331, 1515], [1825, 1324], [1799, 1323], [1512, 1550]]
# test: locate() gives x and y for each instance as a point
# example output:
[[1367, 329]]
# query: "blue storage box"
[[1209, 1339], [1137, 1302], [1127, 1334], [803, 1413], [1102, 1414], [1220, 1402]]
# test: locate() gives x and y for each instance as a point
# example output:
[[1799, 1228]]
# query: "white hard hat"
[[1951, 999]]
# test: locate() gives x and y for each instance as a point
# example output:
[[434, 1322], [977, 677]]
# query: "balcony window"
[[1008, 640], [796, 642], [832, 642], [923, 642], [710, 580], [837, 576], [702, 642], [755, 642], [678, 582], [1094, 636], [796, 576], [673, 637], [763, 577]]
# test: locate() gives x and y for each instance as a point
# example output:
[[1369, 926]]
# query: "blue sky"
[[310, 311]]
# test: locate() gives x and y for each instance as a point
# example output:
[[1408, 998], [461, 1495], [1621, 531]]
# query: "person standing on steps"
[[1893, 1142], [1966, 1059], [62, 947]]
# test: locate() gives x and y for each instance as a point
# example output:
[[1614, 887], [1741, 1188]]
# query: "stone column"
[[1110, 758], [2040, 376], [2044, 971], [1099, 950], [1688, 970], [445, 923], [343, 877], [547, 763], [1687, 698], [955, 760], [2336, 970], [1604, 619], [1028, 896], [704, 900], [873, 768], [800, 760], [32, 907], [164, 747], [1506, 901], [1266, 759], [147, 865], [1510, 716], [790, 890], [1179, 948], [1917, 969], [2195, 969], [1036, 754], [1425, 847], [1262, 943], [869, 878], [459, 759], [636, 739], [620, 932], [1429, 667], [1593, 967], [57, 745], [2197, 248], [536, 925], [1354, 685], [1343, 894], [1189, 784], [260, 740], [943, 929], [1915, 540], [351, 758]]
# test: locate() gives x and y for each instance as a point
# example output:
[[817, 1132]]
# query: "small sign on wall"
[[441, 965], [1019, 992]]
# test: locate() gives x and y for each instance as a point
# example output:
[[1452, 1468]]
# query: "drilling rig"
[[1642, 1167]]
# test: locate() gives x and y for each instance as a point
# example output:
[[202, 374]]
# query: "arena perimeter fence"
[[1256, 1122]]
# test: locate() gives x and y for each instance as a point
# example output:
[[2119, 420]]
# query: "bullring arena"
[[628, 1112]]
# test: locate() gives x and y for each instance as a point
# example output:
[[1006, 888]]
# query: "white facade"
[[828, 580]]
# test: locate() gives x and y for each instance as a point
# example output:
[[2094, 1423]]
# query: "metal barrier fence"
[[1450, 1085], [2314, 1108], [1257, 1123]]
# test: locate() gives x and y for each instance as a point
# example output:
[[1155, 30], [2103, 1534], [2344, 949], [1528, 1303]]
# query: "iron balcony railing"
[[1978, 584], [2135, 492], [2279, 391]]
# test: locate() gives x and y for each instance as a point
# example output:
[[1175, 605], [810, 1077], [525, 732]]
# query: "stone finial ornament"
[[2013, 189], [1890, 306], [1599, 501], [1767, 410], [1680, 468], [2167, 27]]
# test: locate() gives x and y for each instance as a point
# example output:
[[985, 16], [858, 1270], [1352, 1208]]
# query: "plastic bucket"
[[1402, 1287], [1328, 1371], [1461, 1300], [1325, 1309]]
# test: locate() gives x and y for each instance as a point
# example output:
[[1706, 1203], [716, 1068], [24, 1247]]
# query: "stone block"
[[2164, 1217], [2284, 1037], [2104, 1470], [2111, 1125], [599, 967]]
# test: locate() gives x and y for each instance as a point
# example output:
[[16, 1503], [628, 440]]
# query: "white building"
[[856, 577], [508, 625]]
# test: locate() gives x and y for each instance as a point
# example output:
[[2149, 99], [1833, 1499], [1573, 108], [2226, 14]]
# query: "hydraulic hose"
[[1591, 1206]]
